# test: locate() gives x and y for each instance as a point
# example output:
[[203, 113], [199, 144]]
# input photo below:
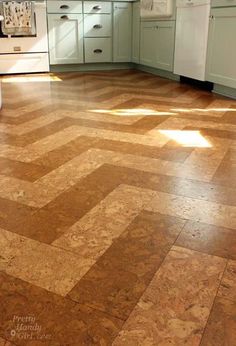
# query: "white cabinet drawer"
[[97, 25], [23, 63], [97, 7], [64, 6], [97, 50]]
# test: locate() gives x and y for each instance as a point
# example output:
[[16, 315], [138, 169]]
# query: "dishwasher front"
[[192, 25]]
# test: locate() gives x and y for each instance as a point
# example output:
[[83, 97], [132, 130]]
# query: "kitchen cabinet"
[[122, 31], [157, 44], [97, 50], [136, 32], [95, 7], [221, 57], [147, 39], [65, 32], [64, 6], [97, 25], [97, 32]]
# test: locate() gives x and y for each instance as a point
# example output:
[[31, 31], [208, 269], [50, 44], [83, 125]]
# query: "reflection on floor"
[[117, 212]]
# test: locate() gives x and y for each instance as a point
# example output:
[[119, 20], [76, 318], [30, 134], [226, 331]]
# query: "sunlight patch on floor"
[[191, 139], [131, 112], [206, 110], [31, 78]]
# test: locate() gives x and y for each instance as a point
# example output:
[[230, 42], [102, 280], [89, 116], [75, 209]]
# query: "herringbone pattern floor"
[[117, 212]]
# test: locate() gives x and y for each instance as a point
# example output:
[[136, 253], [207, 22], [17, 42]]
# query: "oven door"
[[29, 44]]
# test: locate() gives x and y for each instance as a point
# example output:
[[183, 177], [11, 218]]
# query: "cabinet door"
[[136, 33], [164, 45], [122, 32], [65, 38], [147, 43], [221, 57]]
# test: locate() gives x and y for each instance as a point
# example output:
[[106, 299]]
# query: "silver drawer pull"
[[97, 26], [97, 8], [64, 7], [97, 51], [65, 17]]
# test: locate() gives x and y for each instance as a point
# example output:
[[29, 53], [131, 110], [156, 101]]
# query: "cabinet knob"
[[97, 51], [211, 17], [97, 26], [65, 17], [97, 8], [64, 7]]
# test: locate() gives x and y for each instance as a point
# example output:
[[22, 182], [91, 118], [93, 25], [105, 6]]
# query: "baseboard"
[[113, 66], [217, 89], [157, 72], [224, 91], [91, 67]]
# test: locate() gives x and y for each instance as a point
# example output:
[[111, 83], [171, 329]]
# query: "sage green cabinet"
[[147, 43], [157, 44], [122, 31], [136, 33], [221, 57], [65, 32]]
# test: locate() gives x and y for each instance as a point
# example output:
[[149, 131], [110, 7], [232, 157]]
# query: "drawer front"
[[97, 7], [223, 3], [97, 25], [23, 63], [97, 50], [64, 6]]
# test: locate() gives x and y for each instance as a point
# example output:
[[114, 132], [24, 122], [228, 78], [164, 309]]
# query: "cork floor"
[[117, 212]]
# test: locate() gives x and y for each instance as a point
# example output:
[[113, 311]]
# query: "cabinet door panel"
[[221, 57], [164, 45], [65, 38], [122, 32], [147, 43], [157, 44], [136, 33]]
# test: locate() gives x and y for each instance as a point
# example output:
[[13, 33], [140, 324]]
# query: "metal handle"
[[97, 26], [97, 8], [97, 51], [211, 17], [64, 7], [65, 17]]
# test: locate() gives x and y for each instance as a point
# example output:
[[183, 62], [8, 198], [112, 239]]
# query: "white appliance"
[[23, 54], [192, 25], [154, 9], [0, 95]]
